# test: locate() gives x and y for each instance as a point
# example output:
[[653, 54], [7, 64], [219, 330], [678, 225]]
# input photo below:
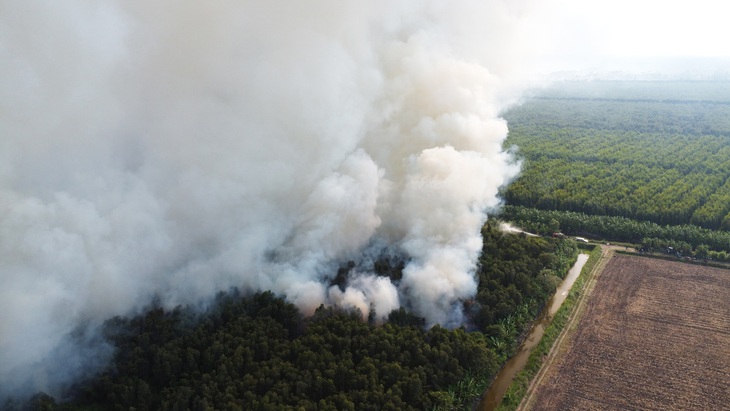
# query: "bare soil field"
[[655, 335]]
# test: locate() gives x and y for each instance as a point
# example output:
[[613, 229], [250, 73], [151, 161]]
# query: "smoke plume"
[[173, 149]]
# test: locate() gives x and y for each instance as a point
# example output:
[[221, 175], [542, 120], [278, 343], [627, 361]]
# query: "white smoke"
[[179, 148]]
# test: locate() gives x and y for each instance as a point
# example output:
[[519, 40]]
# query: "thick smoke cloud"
[[173, 149]]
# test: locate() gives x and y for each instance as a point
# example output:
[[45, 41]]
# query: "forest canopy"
[[256, 351]]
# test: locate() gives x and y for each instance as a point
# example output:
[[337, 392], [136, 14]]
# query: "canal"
[[491, 399]]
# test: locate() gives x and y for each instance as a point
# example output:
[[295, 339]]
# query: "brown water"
[[491, 399]]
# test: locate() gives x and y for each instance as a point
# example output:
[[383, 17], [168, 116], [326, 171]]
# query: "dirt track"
[[652, 334]]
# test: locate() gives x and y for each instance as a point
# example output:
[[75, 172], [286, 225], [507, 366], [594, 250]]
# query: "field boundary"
[[559, 347], [709, 263]]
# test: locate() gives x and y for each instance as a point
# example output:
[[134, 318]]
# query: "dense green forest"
[[648, 151], [258, 352]]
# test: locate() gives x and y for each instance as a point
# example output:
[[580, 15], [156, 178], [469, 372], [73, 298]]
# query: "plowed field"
[[655, 335]]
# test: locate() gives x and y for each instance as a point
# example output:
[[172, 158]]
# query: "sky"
[[642, 27], [587, 34]]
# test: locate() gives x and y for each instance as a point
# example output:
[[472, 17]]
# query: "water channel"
[[491, 399]]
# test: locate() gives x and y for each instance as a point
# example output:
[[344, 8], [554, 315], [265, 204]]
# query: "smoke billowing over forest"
[[171, 150]]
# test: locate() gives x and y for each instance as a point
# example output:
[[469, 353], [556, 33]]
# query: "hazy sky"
[[641, 27]]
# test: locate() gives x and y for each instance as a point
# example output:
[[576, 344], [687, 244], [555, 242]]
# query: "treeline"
[[682, 249], [257, 351], [618, 228], [715, 91], [690, 118]]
